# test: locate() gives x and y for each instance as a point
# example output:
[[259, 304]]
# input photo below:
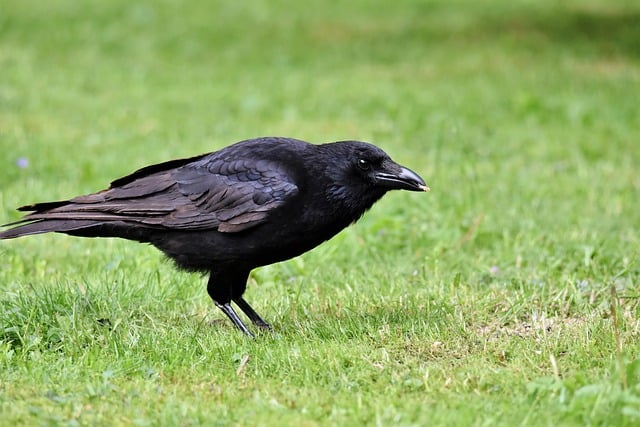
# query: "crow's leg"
[[231, 314], [219, 289], [239, 286], [251, 313]]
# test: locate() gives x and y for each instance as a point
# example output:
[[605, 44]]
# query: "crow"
[[253, 203]]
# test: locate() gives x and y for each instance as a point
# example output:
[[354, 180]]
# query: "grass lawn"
[[509, 295]]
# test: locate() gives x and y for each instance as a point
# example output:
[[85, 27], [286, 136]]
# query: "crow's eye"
[[364, 165]]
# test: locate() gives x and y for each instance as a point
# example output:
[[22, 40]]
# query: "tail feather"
[[41, 207], [100, 219], [46, 226]]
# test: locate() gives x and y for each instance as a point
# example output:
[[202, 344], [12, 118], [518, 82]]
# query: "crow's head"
[[361, 173], [360, 163]]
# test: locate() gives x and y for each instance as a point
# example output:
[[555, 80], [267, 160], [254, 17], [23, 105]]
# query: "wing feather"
[[210, 193]]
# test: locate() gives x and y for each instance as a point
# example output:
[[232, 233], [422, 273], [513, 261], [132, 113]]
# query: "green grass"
[[506, 296]]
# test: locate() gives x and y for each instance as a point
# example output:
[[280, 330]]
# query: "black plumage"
[[250, 204]]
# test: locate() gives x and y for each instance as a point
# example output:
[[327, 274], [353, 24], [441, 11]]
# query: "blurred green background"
[[492, 294]]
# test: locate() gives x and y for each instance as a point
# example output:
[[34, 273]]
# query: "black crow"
[[254, 203]]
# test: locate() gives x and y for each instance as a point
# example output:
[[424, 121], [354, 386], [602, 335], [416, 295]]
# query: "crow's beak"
[[404, 179]]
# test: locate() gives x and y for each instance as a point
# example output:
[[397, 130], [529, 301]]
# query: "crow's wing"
[[234, 195], [209, 193]]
